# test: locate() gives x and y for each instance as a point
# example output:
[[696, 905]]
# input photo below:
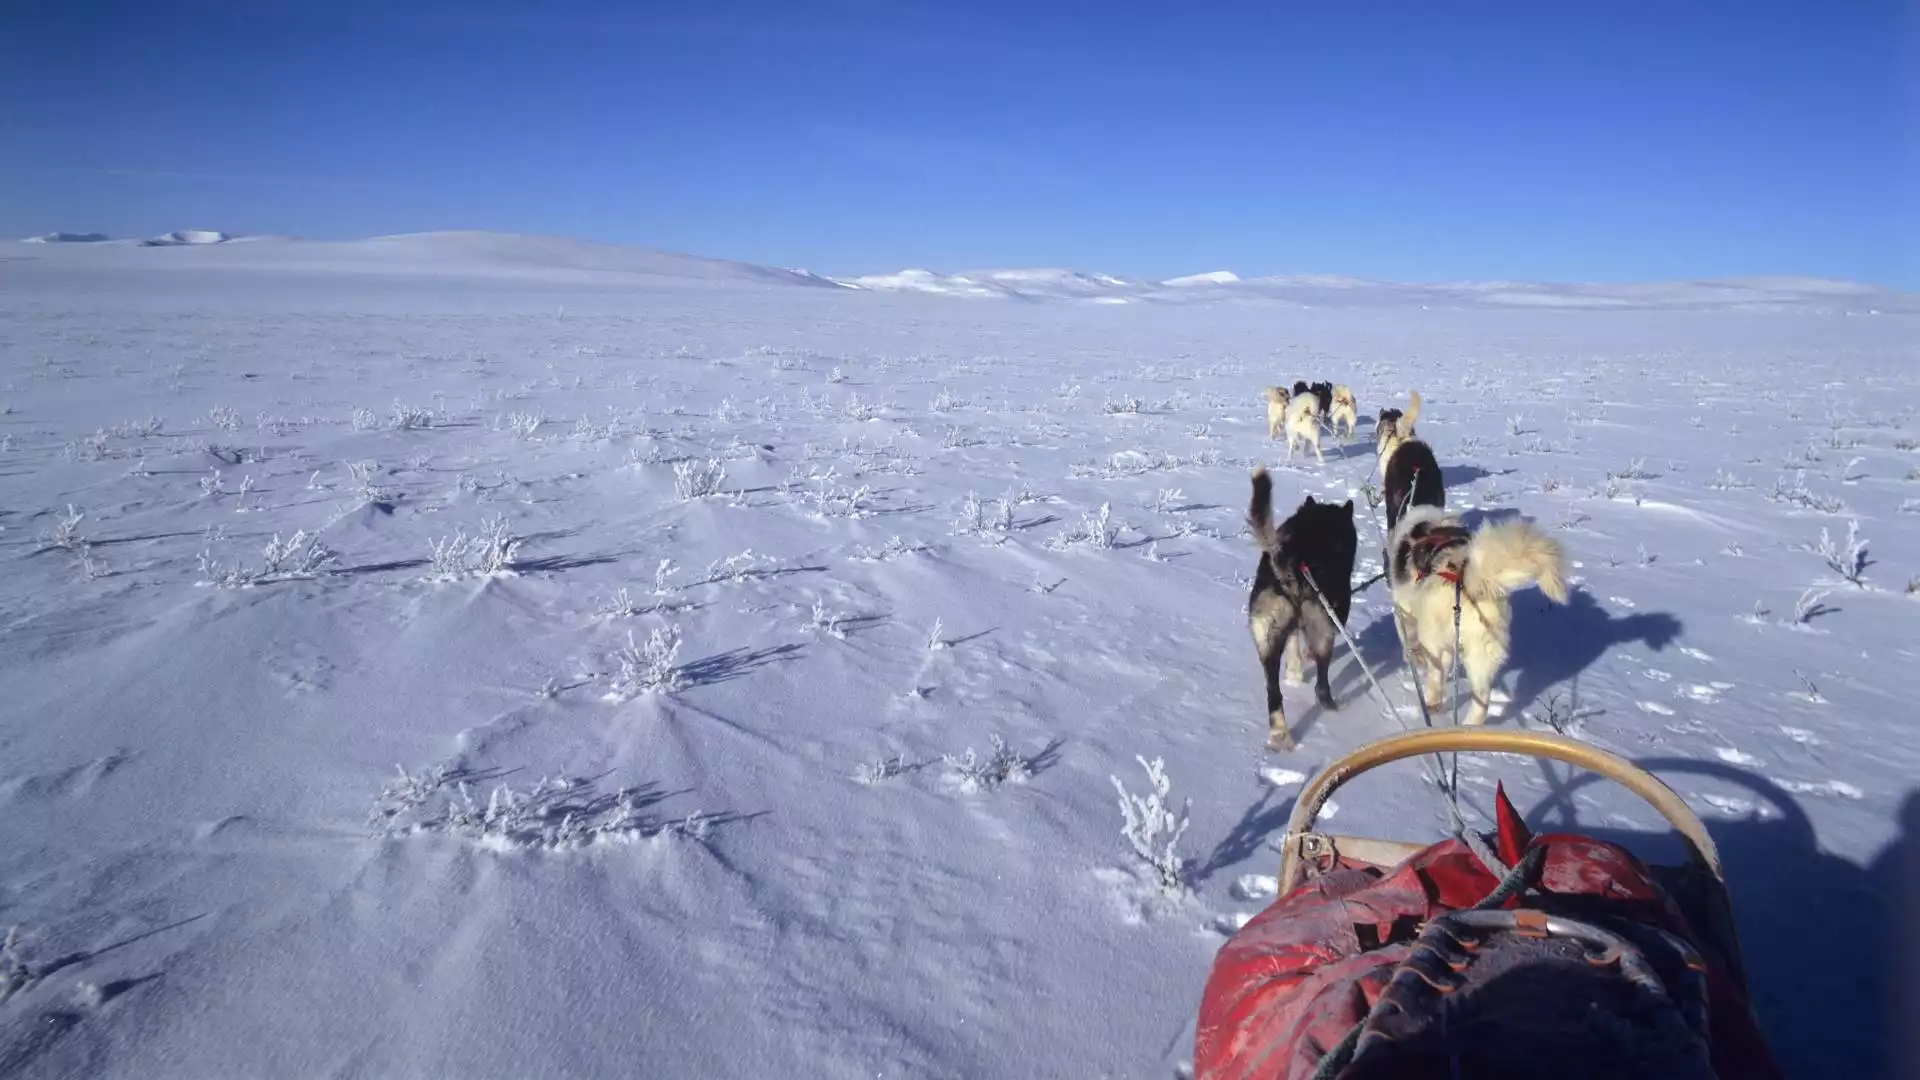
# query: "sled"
[[1559, 955]]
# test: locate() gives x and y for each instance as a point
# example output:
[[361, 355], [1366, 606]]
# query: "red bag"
[[1302, 975]]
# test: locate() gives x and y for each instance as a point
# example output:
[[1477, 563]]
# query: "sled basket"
[[1557, 956]]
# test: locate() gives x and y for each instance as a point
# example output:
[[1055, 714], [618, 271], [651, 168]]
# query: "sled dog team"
[[1435, 565]]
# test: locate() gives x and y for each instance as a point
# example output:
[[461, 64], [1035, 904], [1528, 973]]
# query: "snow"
[[1213, 277], [218, 871]]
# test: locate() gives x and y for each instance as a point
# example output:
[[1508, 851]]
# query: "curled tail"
[[1506, 556], [1260, 511], [1410, 417]]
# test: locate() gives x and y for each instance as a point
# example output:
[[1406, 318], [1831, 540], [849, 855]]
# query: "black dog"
[[1323, 391], [1413, 479], [1322, 538], [1409, 473]]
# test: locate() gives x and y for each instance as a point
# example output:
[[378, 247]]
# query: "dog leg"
[[1322, 458], [1434, 681], [1270, 639], [1321, 646], [1480, 676], [1295, 674]]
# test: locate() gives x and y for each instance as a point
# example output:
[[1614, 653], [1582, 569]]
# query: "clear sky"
[[1627, 140]]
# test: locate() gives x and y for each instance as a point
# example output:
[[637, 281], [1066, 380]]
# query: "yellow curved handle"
[[1481, 740]]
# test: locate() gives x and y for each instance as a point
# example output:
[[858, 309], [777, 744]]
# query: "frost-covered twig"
[[1152, 828], [649, 667], [697, 479], [1002, 764], [1851, 562]]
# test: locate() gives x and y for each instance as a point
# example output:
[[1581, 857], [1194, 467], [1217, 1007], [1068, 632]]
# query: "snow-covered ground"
[[935, 522]]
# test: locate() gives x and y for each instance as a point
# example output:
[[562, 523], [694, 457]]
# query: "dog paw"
[[1280, 742]]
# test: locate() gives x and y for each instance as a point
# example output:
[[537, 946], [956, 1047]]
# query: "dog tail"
[[1260, 511], [1410, 417], [1510, 554]]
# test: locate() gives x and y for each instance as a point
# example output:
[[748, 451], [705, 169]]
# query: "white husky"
[[1435, 558]]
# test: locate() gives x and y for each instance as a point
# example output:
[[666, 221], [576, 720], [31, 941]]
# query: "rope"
[[1456, 821]]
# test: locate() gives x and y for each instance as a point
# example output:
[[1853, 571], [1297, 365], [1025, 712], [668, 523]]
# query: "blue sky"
[[1410, 141]]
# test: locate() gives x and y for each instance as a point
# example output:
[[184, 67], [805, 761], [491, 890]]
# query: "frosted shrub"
[[826, 621], [1151, 827], [524, 425], [620, 607], [364, 420], [298, 557], [947, 402], [654, 666], [697, 479], [874, 772], [1726, 481], [1796, 493], [831, 501], [364, 475], [860, 410], [837, 375], [404, 417], [65, 534], [892, 549], [16, 975], [223, 418], [936, 636], [1810, 607], [1096, 530], [488, 553], [978, 518], [556, 814], [972, 774], [1850, 562]]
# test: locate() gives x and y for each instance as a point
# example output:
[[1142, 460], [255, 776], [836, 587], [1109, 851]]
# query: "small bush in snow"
[[16, 975], [223, 418], [1096, 530], [365, 476], [404, 417], [697, 479], [875, 772], [299, 557], [892, 549], [1796, 493], [1517, 424], [139, 429], [857, 409], [947, 402], [1726, 481], [620, 607], [1850, 562], [745, 566], [936, 636], [663, 576], [488, 553], [973, 773], [1809, 607], [1635, 470], [654, 666], [65, 534], [524, 425], [364, 420], [978, 518], [829, 500], [1151, 827], [837, 375], [1168, 501], [1125, 405], [826, 621], [557, 814]]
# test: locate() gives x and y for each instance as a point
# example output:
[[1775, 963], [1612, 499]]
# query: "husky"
[[1277, 398], [1435, 564], [1344, 408], [1282, 611], [1323, 395], [1302, 424], [1409, 473]]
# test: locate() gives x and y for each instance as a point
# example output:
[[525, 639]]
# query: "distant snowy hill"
[[555, 259], [68, 238]]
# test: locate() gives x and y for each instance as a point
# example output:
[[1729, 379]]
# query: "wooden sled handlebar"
[[1481, 740]]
